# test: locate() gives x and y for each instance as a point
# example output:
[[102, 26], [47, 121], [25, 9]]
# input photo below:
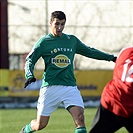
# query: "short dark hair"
[[58, 14]]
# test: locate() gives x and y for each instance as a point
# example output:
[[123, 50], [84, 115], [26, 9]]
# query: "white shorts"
[[52, 96]]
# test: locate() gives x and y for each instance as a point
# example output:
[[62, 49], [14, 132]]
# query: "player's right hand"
[[29, 81]]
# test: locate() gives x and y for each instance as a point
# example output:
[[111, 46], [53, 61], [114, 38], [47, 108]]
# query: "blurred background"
[[104, 25]]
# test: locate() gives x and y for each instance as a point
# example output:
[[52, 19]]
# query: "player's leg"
[[105, 121], [129, 124], [78, 117], [40, 123], [74, 104], [47, 103], [36, 124]]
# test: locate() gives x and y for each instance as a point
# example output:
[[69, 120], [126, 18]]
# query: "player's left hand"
[[29, 81], [114, 59]]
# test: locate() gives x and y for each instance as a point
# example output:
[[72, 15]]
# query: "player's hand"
[[29, 81], [114, 59]]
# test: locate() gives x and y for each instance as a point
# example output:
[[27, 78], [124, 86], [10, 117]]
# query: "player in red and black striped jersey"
[[116, 105]]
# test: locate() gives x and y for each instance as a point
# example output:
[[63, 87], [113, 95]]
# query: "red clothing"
[[117, 95]]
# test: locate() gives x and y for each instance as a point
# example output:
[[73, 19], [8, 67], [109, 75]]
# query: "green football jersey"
[[58, 55]]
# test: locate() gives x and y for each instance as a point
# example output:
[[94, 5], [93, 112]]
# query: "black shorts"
[[107, 122]]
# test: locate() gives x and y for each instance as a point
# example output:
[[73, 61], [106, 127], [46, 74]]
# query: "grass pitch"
[[12, 120]]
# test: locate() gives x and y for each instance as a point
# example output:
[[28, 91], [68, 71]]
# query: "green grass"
[[12, 120]]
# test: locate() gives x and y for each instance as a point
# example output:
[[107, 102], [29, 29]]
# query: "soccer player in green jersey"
[[58, 84]]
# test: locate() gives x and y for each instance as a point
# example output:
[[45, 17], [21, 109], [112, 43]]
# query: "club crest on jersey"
[[61, 61]]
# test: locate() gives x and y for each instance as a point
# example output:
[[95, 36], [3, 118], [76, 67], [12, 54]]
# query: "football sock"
[[28, 129], [81, 130]]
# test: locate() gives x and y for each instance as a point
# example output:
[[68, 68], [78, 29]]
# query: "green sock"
[[81, 130], [28, 129]]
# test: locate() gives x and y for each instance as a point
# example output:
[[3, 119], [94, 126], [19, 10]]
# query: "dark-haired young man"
[[58, 83]]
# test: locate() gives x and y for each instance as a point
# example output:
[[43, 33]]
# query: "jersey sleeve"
[[87, 51], [31, 59]]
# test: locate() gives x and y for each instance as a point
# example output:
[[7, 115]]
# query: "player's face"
[[57, 26]]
